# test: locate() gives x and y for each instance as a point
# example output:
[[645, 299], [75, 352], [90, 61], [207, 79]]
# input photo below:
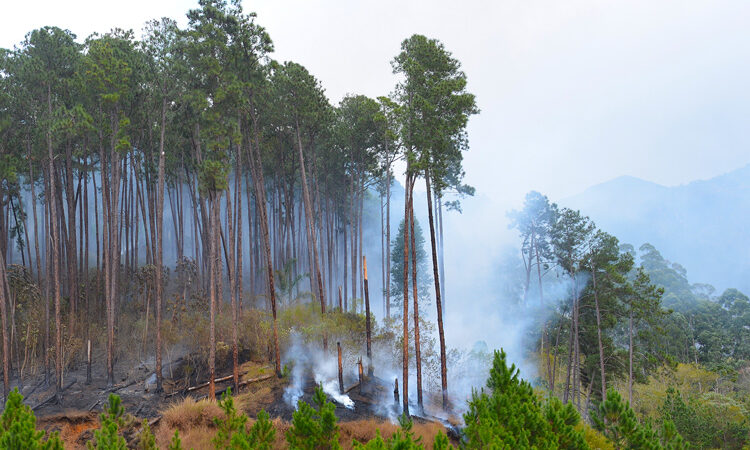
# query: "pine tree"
[[314, 428], [107, 437], [511, 416], [176, 443], [18, 427], [397, 266], [146, 440]]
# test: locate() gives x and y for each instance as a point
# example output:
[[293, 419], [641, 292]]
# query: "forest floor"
[[76, 418]]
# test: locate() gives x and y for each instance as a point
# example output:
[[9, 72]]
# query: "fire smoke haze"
[[572, 94]]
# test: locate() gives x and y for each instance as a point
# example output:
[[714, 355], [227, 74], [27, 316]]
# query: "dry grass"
[[365, 430], [197, 438], [188, 414]]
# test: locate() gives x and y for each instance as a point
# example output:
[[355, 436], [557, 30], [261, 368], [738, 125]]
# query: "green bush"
[[709, 421], [146, 441], [403, 439], [511, 415], [616, 420], [232, 431], [107, 437], [314, 428], [176, 443], [18, 427]]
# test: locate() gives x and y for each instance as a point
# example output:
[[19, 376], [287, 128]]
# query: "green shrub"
[[709, 421], [176, 443], [616, 420], [232, 431], [262, 434], [18, 427], [107, 437], [146, 441], [314, 428], [231, 423], [511, 415], [403, 439]]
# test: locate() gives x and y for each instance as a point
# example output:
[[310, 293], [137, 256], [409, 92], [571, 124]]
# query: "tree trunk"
[[260, 201], [630, 355], [367, 318], [214, 260], [441, 247], [405, 355], [312, 235], [6, 347], [599, 334], [55, 262], [438, 299], [160, 243], [388, 247], [415, 297], [238, 269]]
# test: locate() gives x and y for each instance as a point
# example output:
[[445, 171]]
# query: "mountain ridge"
[[700, 224]]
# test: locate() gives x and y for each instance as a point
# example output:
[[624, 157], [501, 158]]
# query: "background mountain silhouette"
[[702, 225]]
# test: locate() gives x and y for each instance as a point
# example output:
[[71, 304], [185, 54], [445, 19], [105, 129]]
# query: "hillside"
[[701, 225]]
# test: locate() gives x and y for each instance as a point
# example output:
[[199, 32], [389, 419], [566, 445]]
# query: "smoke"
[[305, 360]]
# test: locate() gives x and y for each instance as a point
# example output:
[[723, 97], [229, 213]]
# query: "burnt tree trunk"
[[367, 318]]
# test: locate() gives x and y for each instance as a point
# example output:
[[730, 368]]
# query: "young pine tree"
[[18, 427], [314, 428], [107, 437]]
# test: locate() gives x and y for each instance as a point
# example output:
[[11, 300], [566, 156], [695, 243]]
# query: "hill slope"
[[702, 225]]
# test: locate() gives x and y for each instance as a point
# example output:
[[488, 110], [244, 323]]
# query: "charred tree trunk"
[[367, 318], [630, 355]]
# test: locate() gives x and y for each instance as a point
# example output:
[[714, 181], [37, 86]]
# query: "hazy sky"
[[572, 93]]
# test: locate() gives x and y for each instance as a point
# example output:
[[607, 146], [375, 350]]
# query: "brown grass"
[[199, 437], [365, 430], [188, 414]]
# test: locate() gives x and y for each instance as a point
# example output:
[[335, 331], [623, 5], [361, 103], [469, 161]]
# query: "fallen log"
[[28, 394], [53, 396], [93, 405], [202, 385], [43, 402], [353, 387], [116, 388], [227, 378]]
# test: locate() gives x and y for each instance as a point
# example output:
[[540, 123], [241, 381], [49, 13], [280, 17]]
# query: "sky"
[[571, 93]]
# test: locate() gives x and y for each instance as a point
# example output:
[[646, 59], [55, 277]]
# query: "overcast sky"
[[572, 93]]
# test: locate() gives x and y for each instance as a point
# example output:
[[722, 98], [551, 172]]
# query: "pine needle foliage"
[[314, 428]]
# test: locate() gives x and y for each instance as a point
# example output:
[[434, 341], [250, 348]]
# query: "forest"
[[183, 218]]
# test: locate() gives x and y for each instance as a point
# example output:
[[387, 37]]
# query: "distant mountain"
[[703, 225]]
